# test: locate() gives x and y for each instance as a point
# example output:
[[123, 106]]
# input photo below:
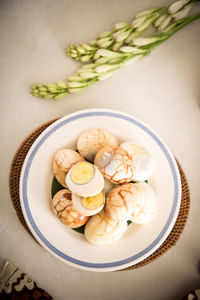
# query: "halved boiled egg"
[[101, 230], [88, 206], [142, 161], [84, 179]]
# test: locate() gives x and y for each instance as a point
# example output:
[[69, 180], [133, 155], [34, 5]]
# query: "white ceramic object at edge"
[[71, 247]]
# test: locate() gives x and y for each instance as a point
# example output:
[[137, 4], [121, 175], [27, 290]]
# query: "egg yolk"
[[82, 172], [93, 202]]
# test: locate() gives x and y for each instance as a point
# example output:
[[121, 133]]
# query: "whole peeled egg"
[[119, 202], [92, 140], [144, 202], [115, 164], [101, 230], [84, 179], [63, 160], [65, 211], [142, 162]]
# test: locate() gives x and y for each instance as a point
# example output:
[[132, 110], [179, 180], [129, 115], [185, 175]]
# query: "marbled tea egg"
[[89, 206], [119, 202], [144, 201], [84, 179], [142, 161], [115, 164], [63, 160], [63, 208], [94, 139], [100, 230]]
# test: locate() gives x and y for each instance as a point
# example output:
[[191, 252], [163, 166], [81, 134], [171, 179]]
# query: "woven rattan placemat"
[[14, 191]]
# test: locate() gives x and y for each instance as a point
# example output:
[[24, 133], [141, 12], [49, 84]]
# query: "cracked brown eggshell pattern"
[[119, 203], [101, 230], [65, 211], [63, 160], [92, 140], [115, 164]]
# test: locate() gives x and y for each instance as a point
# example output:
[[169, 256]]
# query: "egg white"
[[77, 203], [91, 188]]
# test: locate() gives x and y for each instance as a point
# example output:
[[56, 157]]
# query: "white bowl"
[[71, 247]]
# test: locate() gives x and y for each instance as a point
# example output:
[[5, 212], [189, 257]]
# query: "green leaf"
[[55, 187], [79, 229]]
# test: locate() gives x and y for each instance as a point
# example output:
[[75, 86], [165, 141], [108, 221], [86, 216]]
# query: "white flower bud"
[[104, 44], [88, 74], [73, 55], [128, 49], [105, 39], [102, 60], [147, 12], [138, 21], [160, 20], [76, 90], [144, 41], [105, 68], [122, 36], [96, 56], [104, 34], [88, 66], [116, 46], [92, 43], [121, 25], [145, 24], [133, 60], [105, 76], [76, 84], [85, 58], [131, 37], [165, 23], [183, 13], [61, 84], [107, 53], [87, 47], [75, 78], [80, 49], [175, 6], [115, 61]]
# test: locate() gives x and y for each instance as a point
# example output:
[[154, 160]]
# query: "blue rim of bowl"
[[66, 257]]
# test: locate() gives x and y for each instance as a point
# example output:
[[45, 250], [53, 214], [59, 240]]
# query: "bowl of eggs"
[[100, 190]]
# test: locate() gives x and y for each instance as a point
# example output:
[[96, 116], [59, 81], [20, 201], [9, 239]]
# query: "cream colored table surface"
[[161, 90]]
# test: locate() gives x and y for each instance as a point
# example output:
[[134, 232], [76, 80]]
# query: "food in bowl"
[[103, 186]]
